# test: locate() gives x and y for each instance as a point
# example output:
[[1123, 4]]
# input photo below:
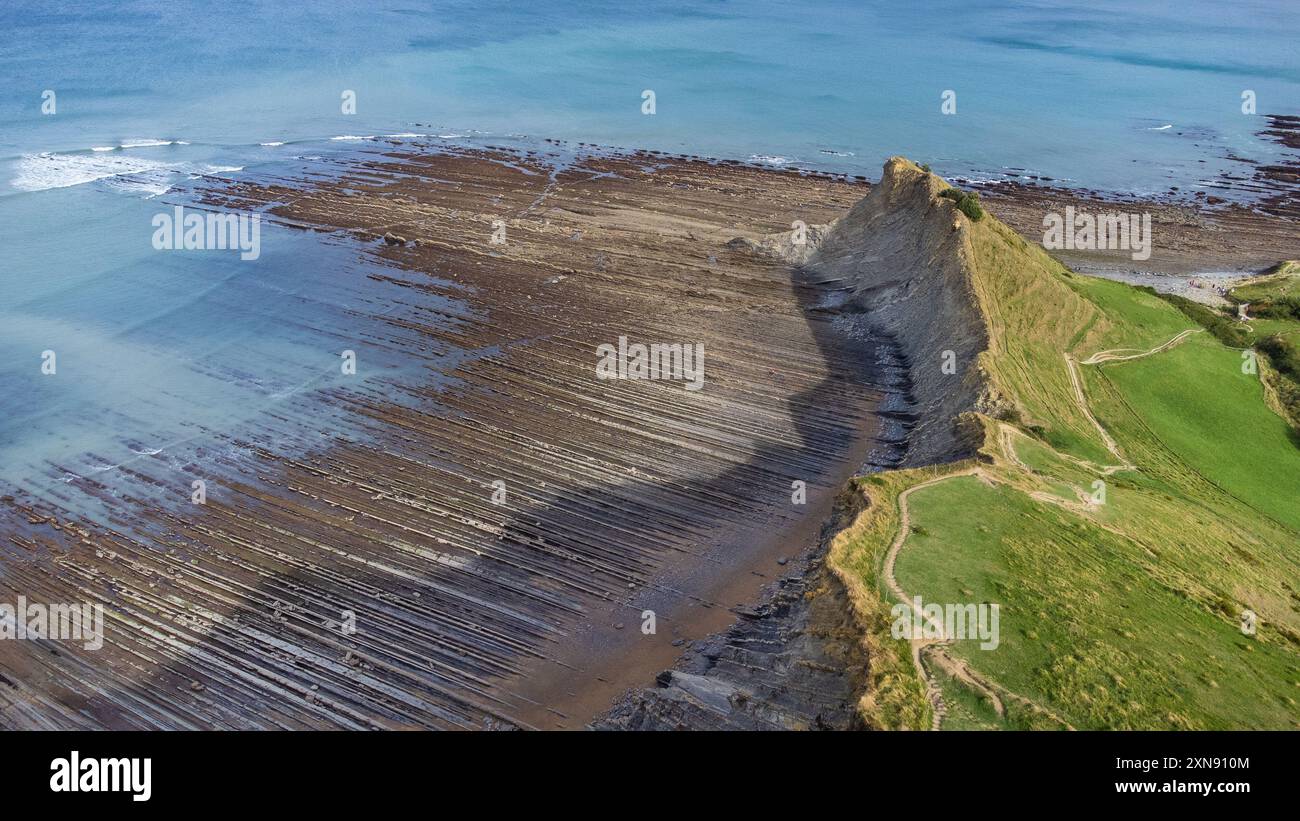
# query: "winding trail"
[[1076, 382], [919, 643], [934, 648], [1113, 354]]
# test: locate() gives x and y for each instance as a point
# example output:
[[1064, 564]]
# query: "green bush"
[[1282, 353], [1288, 394], [967, 201], [1226, 329], [1287, 307]]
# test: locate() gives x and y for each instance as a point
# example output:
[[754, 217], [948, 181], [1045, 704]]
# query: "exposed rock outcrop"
[[898, 265], [795, 662], [904, 253], [795, 246]]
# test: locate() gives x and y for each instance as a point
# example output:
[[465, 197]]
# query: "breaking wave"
[[41, 172]]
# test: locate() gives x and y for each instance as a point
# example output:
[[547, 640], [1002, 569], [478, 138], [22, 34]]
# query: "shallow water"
[[121, 357]]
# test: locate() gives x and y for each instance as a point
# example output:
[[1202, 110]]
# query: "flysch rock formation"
[[903, 252], [795, 661], [897, 264], [477, 364]]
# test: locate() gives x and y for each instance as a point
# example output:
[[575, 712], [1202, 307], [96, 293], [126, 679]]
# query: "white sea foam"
[[104, 148], [352, 137], [1161, 128], [150, 183], [272, 144], [768, 159], [38, 172], [148, 143]]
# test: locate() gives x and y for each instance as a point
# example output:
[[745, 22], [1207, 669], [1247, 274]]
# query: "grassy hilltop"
[[1134, 490]]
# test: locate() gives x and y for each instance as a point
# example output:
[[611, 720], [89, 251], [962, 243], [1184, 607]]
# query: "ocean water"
[[151, 99], [1076, 91]]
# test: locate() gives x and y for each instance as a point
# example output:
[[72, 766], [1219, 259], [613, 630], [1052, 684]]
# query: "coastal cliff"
[[898, 265], [905, 252], [948, 292]]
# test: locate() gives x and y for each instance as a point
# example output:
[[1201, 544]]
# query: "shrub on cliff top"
[[967, 201], [1284, 354]]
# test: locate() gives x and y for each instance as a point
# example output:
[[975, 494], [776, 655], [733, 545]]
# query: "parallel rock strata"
[[902, 255], [621, 496]]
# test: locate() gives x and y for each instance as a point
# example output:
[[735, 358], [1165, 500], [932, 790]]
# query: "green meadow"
[[1122, 591], [1091, 625]]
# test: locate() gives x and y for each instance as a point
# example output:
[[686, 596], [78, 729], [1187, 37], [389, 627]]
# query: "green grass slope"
[[1279, 283], [1122, 536], [1091, 628]]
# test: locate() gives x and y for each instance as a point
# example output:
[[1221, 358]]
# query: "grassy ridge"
[[1033, 316], [1281, 283], [1274, 330], [1121, 614]]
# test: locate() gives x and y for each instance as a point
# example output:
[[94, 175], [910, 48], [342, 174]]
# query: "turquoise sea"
[[160, 351]]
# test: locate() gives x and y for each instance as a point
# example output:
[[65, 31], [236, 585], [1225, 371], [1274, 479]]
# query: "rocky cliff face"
[[903, 253], [898, 264], [794, 662]]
